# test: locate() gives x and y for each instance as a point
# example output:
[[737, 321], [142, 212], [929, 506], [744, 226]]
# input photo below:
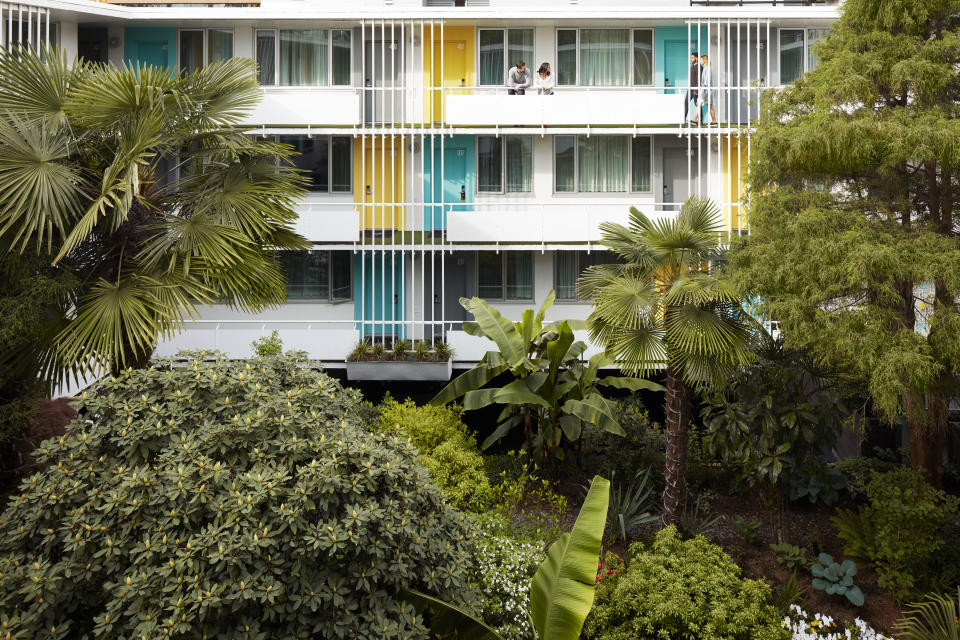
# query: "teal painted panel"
[[150, 46], [673, 48], [377, 293], [458, 186]]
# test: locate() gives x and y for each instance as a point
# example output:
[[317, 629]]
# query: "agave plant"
[[631, 504], [399, 352]]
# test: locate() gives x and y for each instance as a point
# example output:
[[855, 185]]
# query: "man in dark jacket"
[[693, 87]]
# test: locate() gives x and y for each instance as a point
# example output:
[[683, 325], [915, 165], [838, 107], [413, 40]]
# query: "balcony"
[[307, 106], [577, 221], [325, 221]]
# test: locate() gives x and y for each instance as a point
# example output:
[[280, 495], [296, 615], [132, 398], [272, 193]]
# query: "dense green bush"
[[858, 471], [449, 451], [642, 446], [676, 588], [218, 500]]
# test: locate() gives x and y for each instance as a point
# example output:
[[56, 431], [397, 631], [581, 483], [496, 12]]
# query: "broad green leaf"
[[479, 399], [517, 392], [596, 410], [503, 332], [557, 348], [562, 590], [633, 384], [571, 426], [445, 619], [502, 429], [468, 381], [547, 303], [472, 329]]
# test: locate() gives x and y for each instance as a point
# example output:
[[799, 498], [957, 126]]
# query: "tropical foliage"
[[937, 617], [553, 392], [138, 184], [666, 307], [203, 498]]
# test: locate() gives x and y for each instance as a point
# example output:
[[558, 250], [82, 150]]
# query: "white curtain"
[[520, 47], [603, 163], [519, 275], [604, 57], [219, 45], [303, 57], [565, 274], [491, 57], [519, 163], [791, 55], [813, 36], [267, 57]]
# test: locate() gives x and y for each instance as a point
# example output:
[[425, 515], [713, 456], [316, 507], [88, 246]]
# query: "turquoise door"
[[382, 303], [152, 54], [455, 189], [676, 66]]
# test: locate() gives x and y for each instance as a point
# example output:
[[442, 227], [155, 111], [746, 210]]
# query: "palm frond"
[[35, 84], [223, 92]]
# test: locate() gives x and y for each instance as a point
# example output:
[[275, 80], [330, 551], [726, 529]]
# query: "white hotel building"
[[428, 181]]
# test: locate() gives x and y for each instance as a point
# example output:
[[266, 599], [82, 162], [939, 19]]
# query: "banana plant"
[[552, 393], [562, 590]]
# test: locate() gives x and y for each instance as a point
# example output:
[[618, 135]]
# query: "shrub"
[[449, 451], [527, 502], [836, 578], [642, 445], [268, 346], [204, 499], [682, 589]]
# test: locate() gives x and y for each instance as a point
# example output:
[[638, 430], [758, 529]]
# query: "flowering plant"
[[803, 626]]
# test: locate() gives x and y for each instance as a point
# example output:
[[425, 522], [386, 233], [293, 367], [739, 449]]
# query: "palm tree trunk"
[[678, 410]]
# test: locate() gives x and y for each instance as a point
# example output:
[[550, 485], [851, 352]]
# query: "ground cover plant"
[[228, 500]]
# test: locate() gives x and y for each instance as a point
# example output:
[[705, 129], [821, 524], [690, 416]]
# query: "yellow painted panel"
[[734, 152], [452, 59], [378, 171]]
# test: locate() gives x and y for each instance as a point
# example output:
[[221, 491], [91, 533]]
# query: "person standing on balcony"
[[518, 79], [706, 90], [693, 89], [545, 80]]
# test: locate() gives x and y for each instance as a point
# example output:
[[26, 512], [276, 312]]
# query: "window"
[[568, 266], [304, 57], [518, 44], [796, 52], [199, 47], [601, 164], [326, 161], [507, 160], [507, 275], [324, 276], [605, 57]]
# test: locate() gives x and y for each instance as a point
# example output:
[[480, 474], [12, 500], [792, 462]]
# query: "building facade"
[[428, 182]]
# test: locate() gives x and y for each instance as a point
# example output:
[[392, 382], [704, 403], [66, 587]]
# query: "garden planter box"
[[387, 370]]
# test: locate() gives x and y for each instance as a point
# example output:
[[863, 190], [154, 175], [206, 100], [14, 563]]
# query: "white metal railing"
[[24, 24]]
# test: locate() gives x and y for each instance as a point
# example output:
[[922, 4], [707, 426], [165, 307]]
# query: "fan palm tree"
[[140, 183], [665, 308]]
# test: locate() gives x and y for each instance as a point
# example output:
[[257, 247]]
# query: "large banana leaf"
[[596, 410], [502, 429], [561, 593], [633, 384], [503, 332], [448, 621], [557, 349], [468, 381]]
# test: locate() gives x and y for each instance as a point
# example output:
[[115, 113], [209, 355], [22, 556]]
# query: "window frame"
[[329, 138], [502, 254], [276, 56], [206, 43], [503, 165], [630, 46], [576, 165], [329, 299], [580, 268], [507, 63], [806, 48]]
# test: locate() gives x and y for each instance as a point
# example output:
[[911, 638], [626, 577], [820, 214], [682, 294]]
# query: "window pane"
[[567, 56], [219, 45], [191, 50], [267, 57], [489, 275], [303, 57], [814, 36], [520, 47], [341, 273], [307, 274], [519, 163], [341, 56], [602, 163], [604, 57], [519, 275], [490, 164], [565, 163], [565, 274], [492, 70], [313, 159], [341, 164], [643, 56], [791, 55], [640, 180]]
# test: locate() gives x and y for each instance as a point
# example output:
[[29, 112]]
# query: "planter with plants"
[[406, 360]]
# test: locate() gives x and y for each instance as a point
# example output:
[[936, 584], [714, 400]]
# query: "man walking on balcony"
[[518, 79], [693, 88]]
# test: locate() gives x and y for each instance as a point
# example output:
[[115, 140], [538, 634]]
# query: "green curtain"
[[219, 45], [604, 57], [489, 164], [341, 57], [267, 57], [791, 55], [303, 57], [519, 164], [492, 70], [565, 273], [642, 57], [564, 166], [566, 57], [602, 162], [519, 275], [640, 152]]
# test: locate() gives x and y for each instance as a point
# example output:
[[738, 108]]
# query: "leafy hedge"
[[677, 588], [218, 500]]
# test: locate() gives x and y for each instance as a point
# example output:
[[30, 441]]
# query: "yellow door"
[[453, 58], [379, 168], [734, 182]]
